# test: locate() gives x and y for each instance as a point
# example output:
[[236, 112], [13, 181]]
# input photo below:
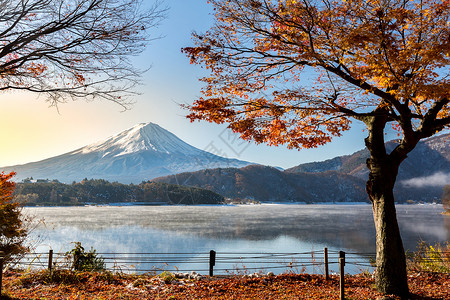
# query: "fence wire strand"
[[224, 261]]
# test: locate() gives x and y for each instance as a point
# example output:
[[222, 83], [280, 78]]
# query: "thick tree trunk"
[[391, 277]]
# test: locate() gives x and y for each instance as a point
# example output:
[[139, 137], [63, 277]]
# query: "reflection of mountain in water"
[[339, 226]]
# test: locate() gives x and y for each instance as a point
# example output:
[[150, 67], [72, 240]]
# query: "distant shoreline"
[[128, 204]]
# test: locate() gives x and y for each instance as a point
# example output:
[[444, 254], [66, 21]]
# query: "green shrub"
[[430, 258], [167, 277], [85, 261]]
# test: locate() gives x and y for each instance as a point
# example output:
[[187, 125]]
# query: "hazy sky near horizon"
[[32, 131]]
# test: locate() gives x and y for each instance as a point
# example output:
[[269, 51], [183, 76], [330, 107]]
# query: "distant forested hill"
[[341, 179], [98, 191], [264, 183], [430, 156], [421, 178]]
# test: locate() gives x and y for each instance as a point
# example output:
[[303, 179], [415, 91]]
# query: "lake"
[[271, 228]]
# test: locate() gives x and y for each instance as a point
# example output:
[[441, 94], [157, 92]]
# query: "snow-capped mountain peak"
[[142, 137], [140, 153]]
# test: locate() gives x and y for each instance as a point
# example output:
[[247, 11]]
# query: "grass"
[[430, 258]]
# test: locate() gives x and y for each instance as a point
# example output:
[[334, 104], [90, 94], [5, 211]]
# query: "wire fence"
[[222, 262], [314, 262], [216, 263]]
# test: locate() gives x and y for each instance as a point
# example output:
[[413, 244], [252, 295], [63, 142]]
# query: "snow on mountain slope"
[[142, 137], [141, 153]]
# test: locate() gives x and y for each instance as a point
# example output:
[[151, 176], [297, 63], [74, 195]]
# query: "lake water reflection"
[[248, 228]]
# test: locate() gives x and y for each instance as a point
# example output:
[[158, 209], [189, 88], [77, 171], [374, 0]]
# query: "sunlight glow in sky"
[[32, 131]]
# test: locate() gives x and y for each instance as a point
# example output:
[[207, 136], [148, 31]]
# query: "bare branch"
[[79, 49]]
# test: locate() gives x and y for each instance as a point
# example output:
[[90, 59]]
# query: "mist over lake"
[[264, 228]]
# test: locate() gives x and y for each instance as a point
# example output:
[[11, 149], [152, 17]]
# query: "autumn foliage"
[[82, 285], [298, 72], [13, 232]]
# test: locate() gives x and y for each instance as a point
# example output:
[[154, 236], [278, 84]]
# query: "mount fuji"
[[140, 153]]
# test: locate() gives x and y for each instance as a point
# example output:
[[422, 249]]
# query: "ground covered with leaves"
[[64, 284]]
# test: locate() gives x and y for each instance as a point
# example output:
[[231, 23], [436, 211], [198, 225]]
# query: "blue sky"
[[32, 131]]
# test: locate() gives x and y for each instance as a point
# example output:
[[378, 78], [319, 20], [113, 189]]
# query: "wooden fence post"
[[50, 260], [1, 271], [325, 259], [341, 274], [212, 262], [76, 261]]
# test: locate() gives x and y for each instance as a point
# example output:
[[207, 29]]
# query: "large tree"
[[74, 49], [298, 72]]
